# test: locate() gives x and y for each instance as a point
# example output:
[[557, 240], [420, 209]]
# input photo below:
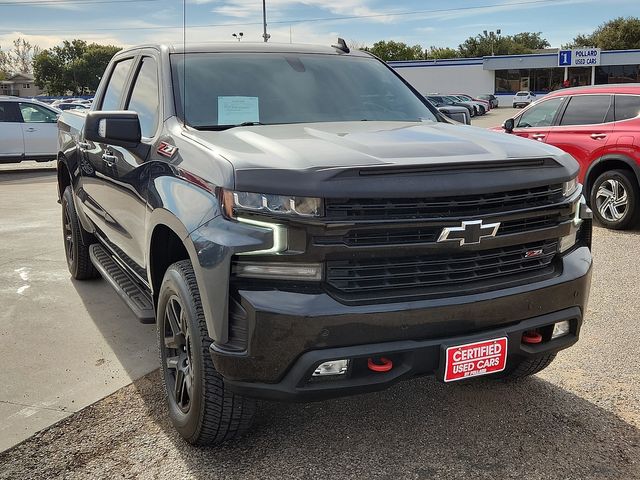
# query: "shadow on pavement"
[[424, 429]]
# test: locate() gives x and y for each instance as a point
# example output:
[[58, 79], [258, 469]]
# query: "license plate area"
[[475, 359]]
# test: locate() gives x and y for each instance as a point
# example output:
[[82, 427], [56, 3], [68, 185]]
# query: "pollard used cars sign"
[[579, 57]]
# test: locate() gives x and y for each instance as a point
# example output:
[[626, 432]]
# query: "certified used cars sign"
[[473, 359], [584, 57]]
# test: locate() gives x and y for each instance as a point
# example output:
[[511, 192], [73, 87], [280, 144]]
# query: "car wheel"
[[614, 199], [525, 367], [75, 249], [201, 409]]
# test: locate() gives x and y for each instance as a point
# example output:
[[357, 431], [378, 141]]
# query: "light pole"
[[265, 35], [237, 36], [492, 36]]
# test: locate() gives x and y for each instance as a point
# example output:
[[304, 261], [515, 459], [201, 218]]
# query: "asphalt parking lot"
[[69, 345]]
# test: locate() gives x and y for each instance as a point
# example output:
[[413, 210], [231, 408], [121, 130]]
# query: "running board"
[[129, 290]]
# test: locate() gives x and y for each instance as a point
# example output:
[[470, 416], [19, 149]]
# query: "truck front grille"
[[442, 275], [448, 207]]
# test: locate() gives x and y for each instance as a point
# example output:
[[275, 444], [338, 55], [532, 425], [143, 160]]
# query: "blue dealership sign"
[[564, 58]]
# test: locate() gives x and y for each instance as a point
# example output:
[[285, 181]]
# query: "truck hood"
[[305, 158]]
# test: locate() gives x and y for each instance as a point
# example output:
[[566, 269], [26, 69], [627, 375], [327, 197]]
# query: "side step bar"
[[130, 291]]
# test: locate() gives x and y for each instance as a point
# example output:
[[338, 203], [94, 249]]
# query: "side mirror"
[[508, 125], [116, 128]]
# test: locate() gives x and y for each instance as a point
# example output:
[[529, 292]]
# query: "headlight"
[[267, 203], [569, 187], [279, 271]]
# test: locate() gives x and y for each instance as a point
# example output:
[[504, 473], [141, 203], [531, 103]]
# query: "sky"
[[442, 23]]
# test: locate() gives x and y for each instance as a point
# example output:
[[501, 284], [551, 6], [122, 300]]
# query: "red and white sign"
[[474, 359]]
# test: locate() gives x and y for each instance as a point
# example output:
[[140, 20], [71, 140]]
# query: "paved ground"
[[579, 419], [64, 344]]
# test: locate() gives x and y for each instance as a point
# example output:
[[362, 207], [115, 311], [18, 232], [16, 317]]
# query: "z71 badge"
[[167, 150]]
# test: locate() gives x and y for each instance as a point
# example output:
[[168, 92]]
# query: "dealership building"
[[504, 75]]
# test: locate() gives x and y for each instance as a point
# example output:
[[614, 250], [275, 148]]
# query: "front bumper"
[[290, 333], [410, 358]]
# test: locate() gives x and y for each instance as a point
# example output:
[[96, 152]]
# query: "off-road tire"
[[215, 414], [76, 250], [526, 367], [630, 185]]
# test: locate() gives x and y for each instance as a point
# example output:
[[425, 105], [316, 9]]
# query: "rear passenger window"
[[111, 99], [627, 106], [145, 97], [8, 112], [586, 110]]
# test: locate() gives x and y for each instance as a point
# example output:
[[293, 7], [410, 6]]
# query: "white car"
[[28, 130], [523, 98]]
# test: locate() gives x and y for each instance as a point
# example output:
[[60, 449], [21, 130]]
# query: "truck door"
[[11, 140], [536, 121], [40, 130], [122, 186]]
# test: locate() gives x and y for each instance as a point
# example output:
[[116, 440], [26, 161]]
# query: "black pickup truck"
[[300, 224]]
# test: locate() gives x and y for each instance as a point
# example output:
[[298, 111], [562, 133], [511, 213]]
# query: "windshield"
[[229, 89]]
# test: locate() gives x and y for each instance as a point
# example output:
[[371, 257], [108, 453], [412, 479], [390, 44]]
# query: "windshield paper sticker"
[[237, 110]]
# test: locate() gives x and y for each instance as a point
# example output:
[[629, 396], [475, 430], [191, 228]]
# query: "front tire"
[[200, 408], [527, 367], [614, 199], [76, 250]]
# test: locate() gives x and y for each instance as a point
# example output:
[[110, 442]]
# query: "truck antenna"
[[341, 45]]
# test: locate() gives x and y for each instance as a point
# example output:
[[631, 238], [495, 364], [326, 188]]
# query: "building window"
[[618, 74], [541, 80], [26, 85]]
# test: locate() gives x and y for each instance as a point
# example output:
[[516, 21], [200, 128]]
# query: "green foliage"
[[74, 66], [441, 52], [484, 44], [391, 50], [617, 34]]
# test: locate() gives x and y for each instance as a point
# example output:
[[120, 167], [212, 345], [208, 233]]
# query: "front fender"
[[214, 244]]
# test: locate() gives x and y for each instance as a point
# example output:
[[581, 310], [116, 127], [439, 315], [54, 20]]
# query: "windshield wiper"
[[219, 128]]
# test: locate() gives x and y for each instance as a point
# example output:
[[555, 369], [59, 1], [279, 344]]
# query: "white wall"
[[469, 79]]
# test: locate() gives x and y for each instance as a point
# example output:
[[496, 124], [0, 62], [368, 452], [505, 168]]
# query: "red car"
[[600, 127]]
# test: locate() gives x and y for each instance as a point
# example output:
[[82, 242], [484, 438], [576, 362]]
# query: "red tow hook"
[[532, 337], [379, 364]]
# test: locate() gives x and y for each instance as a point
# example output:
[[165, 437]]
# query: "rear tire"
[[527, 367], [200, 408], [76, 250], [614, 199]]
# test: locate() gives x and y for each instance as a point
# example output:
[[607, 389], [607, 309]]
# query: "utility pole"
[[265, 35]]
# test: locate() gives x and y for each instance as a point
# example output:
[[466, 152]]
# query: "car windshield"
[[222, 90]]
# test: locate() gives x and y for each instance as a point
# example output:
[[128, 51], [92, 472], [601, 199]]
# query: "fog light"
[[560, 329], [334, 367]]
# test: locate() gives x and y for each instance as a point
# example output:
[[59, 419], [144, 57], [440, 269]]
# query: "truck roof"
[[249, 47]]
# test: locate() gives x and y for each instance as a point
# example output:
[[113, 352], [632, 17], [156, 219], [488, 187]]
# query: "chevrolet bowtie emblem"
[[469, 233]]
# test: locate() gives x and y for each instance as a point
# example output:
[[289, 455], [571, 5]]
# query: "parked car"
[[600, 127], [458, 113], [442, 100], [523, 98], [72, 106], [469, 98], [479, 108], [27, 130], [288, 250], [492, 99]]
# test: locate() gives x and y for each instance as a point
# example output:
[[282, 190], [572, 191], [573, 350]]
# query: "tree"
[[21, 56], [441, 52], [391, 50], [73, 66], [618, 34], [484, 44]]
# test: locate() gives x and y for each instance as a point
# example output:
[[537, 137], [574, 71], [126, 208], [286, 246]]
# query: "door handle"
[[109, 159], [31, 129], [538, 136], [597, 136]]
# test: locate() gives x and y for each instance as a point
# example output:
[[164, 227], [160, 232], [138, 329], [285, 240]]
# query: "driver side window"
[[32, 113], [540, 115]]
